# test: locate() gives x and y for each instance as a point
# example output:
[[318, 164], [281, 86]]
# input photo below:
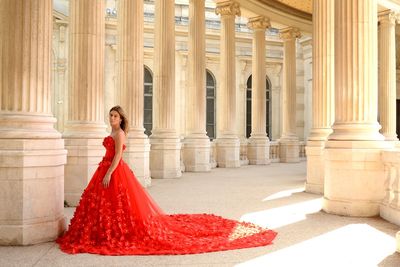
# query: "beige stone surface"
[[165, 142], [258, 148], [228, 144], [354, 171], [32, 154], [322, 92], [196, 148], [270, 195], [315, 167], [387, 74], [130, 91]]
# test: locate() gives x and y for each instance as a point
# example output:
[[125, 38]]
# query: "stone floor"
[[271, 196]]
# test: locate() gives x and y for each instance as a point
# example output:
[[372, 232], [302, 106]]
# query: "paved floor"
[[272, 196]]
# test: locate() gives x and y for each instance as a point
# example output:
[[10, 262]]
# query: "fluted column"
[[130, 30], [323, 92], [228, 144], [85, 128], [165, 143], [258, 147], [387, 75], [31, 151], [196, 148], [289, 142], [354, 173]]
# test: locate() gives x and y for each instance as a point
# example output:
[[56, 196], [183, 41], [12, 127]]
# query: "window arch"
[[148, 101], [248, 106], [210, 106]]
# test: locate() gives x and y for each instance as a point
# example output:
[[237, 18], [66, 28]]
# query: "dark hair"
[[124, 123]]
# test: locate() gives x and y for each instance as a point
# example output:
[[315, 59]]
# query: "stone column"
[[196, 148], [354, 172], [228, 144], [130, 55], [165, 143], [258, 147], [387, 75], [289, 142], [31, 151], [85, 128], [322, 92]]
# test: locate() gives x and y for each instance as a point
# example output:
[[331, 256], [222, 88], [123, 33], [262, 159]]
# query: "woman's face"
[[115, 118]]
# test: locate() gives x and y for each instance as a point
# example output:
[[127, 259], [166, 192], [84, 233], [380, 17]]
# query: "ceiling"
[[302, 5]]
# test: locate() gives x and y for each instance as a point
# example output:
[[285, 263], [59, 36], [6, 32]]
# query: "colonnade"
[[33, 153]]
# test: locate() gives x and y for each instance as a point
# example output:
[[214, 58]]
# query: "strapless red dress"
[[123, 219]]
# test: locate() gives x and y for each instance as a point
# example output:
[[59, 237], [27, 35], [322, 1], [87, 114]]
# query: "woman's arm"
[[119, 140]]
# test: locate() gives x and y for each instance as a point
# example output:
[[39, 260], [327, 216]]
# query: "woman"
[[116, 216]]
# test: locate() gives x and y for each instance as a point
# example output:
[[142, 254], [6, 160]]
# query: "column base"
[[289, 150], [84, 156], [258, 151], [228, 152], [315, 167], [165, 157], [196, 154], [354, 177], [390, 214], [244, 160], [351, 207], [213, 155], [29, 233], [137, 156], [31, 190]]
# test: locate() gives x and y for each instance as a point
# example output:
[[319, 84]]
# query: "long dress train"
[[124, 220]]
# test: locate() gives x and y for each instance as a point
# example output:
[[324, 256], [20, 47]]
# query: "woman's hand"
[[106, 179]]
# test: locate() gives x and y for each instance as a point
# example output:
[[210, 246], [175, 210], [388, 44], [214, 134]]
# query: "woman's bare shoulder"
[[120, 136]]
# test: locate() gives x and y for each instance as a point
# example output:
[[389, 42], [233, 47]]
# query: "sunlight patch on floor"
[[285, 193], [351, 245], [281, 216]]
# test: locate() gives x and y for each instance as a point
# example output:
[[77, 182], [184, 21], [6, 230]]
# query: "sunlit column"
[[322, 92], [228, 144], [258, 147], [289, 142], [32, 154], [165, 143], [354, 172], [196, 149], [130, 32], [387, 74], [85, 128]]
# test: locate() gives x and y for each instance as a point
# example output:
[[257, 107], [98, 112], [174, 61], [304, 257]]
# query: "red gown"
[[124, 220]]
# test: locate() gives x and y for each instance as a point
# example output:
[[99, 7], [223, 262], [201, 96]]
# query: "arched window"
[[148, 101], [210, 118], [248, 107]]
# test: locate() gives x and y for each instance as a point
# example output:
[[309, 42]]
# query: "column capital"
[[227, 8], [289, 33], [388, 17], [259, 23]]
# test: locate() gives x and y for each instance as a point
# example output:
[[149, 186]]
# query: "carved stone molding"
[[388, 16], [289, 33], [227, 8], [259, 23]]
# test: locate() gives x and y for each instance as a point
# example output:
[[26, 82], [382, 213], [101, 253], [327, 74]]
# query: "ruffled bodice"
[[123, 219], [109, 145]]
